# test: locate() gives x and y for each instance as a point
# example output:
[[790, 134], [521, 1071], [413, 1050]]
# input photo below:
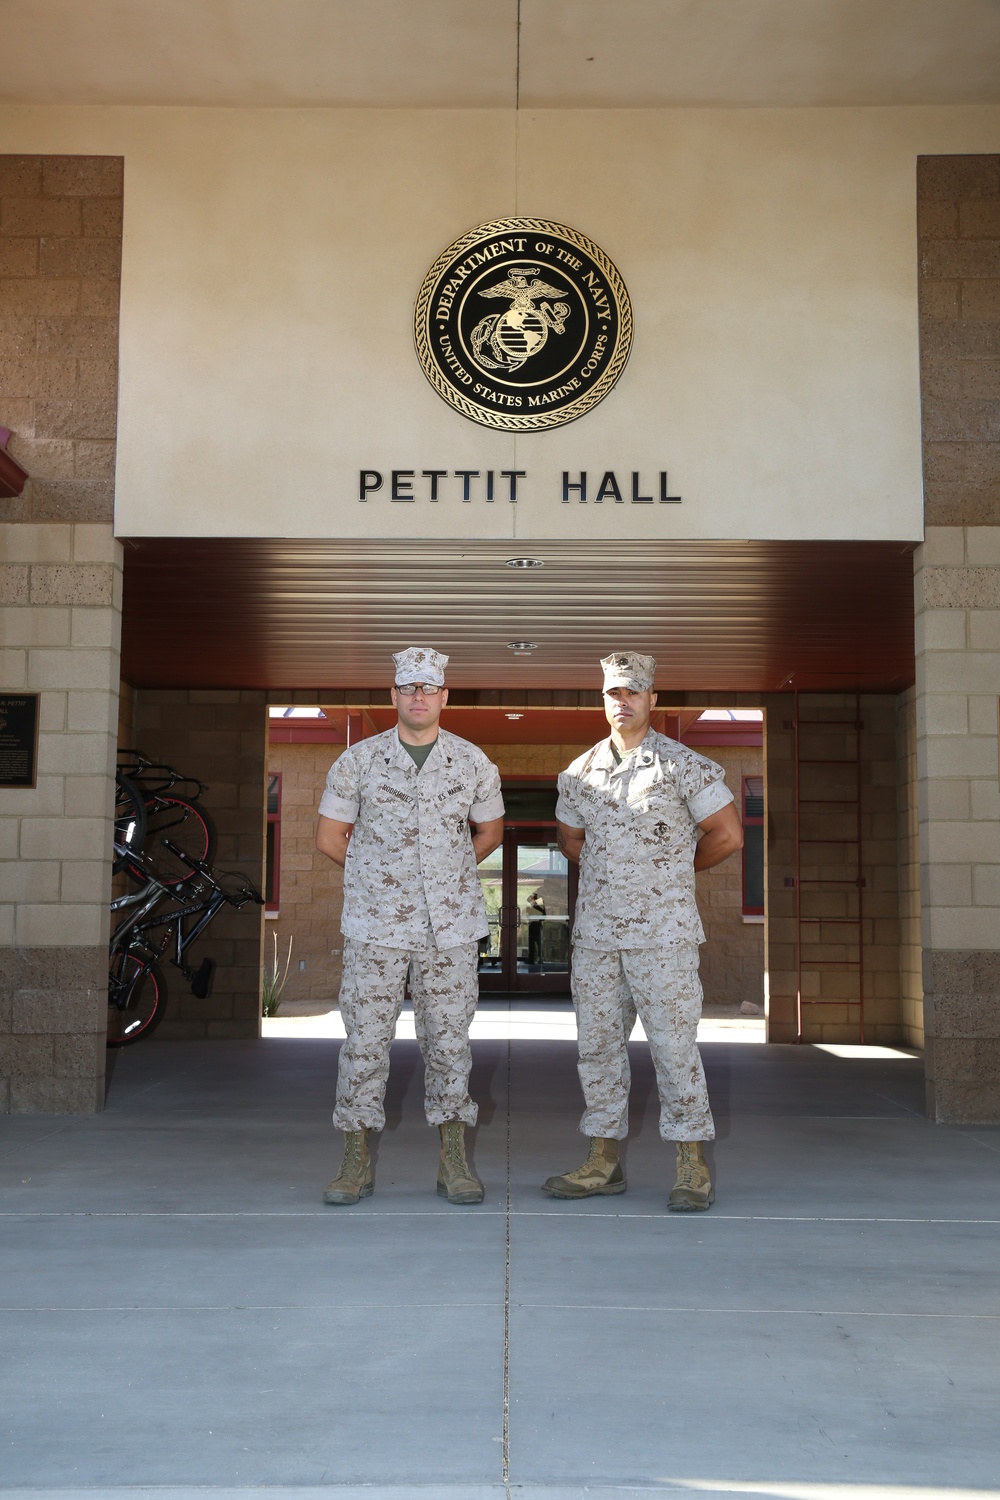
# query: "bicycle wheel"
[[184, 824], [130, 819], [140, 990]]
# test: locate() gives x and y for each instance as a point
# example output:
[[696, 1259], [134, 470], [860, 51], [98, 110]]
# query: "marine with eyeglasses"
[[409, 814]]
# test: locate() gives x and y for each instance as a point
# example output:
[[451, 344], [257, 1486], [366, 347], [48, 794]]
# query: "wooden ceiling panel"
[[756, 616]]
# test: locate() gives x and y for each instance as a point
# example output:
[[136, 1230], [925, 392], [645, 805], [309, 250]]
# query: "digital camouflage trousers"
[[444, 986], [663, 986]]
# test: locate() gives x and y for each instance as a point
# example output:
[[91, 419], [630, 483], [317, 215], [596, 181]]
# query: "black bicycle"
[[136, 992], [152, 800]]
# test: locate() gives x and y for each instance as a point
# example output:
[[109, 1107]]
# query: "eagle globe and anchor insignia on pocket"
[[553, 347]]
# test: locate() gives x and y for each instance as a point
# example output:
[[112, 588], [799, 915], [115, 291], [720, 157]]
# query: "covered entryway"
[[740, 627]]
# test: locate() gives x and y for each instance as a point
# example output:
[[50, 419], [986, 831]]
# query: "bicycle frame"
[[132, 934], [142, 921]]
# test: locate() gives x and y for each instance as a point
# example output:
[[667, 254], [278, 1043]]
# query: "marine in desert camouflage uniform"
[[641, 813], [396, 814]]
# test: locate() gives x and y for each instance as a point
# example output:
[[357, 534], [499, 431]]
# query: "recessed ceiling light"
[[524, 562], [522, 647]]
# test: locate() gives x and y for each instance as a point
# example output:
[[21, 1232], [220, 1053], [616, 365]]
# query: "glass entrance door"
[[530, 888]]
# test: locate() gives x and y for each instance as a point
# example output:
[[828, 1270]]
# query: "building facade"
[[207, 359]]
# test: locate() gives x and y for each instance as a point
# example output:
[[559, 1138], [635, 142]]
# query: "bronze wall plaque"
[[18, 740], [523, 324]]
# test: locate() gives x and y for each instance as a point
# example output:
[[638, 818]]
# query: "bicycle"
[[164, 810], [136, 991]]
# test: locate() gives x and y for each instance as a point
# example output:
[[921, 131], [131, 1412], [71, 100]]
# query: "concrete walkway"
[[179, 1315]]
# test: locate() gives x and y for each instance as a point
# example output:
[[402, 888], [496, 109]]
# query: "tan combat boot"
[[600, 1174], [456, 1180], [693, 1189], [354, 1180]]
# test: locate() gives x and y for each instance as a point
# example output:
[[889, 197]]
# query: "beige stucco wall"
[[271, 259]]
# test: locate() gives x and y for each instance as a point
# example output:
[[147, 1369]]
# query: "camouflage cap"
[[630, 670], [419, 664]]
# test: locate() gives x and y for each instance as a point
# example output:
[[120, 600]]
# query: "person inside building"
[[535, 916], [641, 813], [408, 814]]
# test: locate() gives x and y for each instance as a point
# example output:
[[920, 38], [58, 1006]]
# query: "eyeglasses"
[[427, 689]]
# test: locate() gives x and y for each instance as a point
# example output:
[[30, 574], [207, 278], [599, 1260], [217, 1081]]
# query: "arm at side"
[[332, 839], [570, 841], [721, 836], [486, 837]]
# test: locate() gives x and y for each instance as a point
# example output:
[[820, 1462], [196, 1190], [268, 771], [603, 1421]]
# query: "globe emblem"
[[515, 335], [520, 335]]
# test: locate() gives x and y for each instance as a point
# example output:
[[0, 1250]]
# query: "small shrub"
[[275, 974]]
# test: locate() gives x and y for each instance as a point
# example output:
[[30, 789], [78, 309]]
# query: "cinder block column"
[[780, 928], [61, 630], [958, 693], [60, 620], [958, 634], [829, 935]]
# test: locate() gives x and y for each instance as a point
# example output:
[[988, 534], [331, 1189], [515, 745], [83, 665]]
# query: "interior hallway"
[[180, 1311]]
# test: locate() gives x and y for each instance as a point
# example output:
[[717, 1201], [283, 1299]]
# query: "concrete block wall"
[[958, 685], [830, 948], [219, 736], [60, 263], [60, 621], [312, 886], [911, 983], [732, 957], [61, 634], [780, 932], [533, 760], [957, 589]]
